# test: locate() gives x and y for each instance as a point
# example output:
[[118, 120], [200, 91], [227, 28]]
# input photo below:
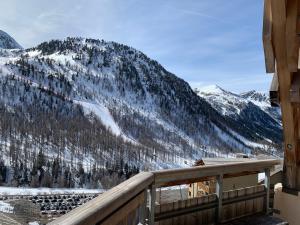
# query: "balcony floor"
[[258, 220]]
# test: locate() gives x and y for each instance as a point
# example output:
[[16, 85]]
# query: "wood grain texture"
[[189, 175], [107, 202], [267, 38], [279, 18]]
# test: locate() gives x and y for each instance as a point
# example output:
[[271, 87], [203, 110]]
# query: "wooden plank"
[[232, 212], [175, 207], [157, 211], [267, 186], [249, 203], [107, 202], [267, 38], [291, 145], [144, 207], [182, 205], [199, 213], [241, 205], [211, 213], [292, 40], [194, 202], [188, 217], [208, 204], [152, 204], [219, 192], [128, 209], [259, 201], [189, 175], [226, 208], [205, 213], [295, 89]]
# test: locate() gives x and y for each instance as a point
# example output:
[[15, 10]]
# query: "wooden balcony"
[[133, 201]]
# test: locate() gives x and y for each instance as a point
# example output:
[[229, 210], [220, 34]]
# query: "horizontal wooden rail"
[[189, 175], [127, 201], [98, 209]]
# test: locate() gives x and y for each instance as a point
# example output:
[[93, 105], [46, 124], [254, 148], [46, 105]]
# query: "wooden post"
[[267, 186], [152, 204], [219, 192], [283, 32], [144, 208]]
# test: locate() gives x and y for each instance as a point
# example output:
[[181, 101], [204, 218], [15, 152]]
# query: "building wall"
[[287, 206]]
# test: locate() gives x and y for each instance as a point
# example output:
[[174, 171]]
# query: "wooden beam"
[[106, 204], [207, 178], [188, 175], [278, 8], [274, 91], [295, 89], [267, 38], [292, 40], [122, 214]]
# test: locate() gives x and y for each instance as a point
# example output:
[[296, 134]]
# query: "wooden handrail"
[[130, 194], [96, 210], [188, 175]]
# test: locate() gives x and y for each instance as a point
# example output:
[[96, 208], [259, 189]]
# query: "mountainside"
[[8, 42], [252, 109], [76, 111]]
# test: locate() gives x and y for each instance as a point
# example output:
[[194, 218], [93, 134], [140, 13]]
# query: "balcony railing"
[[133, 201]]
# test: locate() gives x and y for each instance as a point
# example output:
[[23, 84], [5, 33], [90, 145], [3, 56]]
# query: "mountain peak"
[[213, 89], [7, 42], [255, 95]]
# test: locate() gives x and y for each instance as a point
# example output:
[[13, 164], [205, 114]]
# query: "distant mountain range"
[[91, 103]]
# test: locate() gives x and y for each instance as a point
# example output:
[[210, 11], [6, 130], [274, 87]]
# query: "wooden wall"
[[208, 216]]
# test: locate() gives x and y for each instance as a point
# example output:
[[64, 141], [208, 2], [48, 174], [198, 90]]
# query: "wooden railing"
[[133, 201]]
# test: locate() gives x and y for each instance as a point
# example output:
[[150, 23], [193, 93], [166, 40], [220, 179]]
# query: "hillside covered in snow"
[[7, 42], [84, 112]]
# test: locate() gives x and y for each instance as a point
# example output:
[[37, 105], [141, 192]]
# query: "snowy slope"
[[7, 42], [89, 102], [252, 109]]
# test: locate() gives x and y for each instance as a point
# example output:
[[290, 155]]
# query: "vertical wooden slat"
[[226, 208], [249, 203], [219, 192], [205, 212], [175, 219], [200, 213], [232, 194], [143, 208], [188, 218], [241, 205], [212, 212], [157, 210], [267, 186], [260, 201], [152, 204], [182, 205], [194, 202]]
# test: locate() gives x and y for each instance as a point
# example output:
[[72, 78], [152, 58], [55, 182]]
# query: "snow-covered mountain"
[[252, 109], [7, 42], [87, 104]]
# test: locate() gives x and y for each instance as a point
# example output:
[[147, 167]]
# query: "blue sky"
[[202, 41]]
